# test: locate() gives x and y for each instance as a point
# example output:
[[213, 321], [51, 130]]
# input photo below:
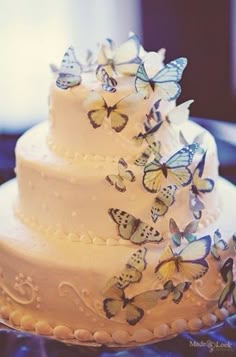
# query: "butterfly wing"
[[179, 114], [153, 177], [142, 84], [97, 108], [180, 176], [126, 57], [226, 271], [199, 184], [133, 314], [127, 224], [189, 231], [148, 299], [225, 294], [117, 181], [138, 259], [183, 157], [118, 120], [164, 199], [174, 230], [123, 172], [219, 244], [127, 276], [145, 234], [195, 205], [166, 79], [69, 74], [193, 264], [179, 290], [153, 148], [166, 267], [111, 307]]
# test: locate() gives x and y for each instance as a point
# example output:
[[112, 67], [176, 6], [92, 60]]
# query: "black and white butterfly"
[[108, 83], [69, 74], [133, 229], [162, 202]]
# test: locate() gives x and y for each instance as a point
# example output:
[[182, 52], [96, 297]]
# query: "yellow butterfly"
[[132, 273], [190, 262], [98, 110], [173, 171], [134, 307], [124, 59], [133, 229], [162, 202], [123, 174]]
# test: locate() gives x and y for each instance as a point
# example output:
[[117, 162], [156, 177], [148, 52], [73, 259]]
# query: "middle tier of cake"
[[71, 198]]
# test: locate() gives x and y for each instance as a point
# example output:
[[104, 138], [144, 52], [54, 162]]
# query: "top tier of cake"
[[67, 171]]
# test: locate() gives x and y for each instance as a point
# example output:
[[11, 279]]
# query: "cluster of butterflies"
[[134, 307]]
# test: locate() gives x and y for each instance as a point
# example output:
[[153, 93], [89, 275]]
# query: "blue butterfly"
[[219, 244], [69, 74], [164, 80], [229, 290], [175, 170]]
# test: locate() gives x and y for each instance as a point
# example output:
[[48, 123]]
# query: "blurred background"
[[35, 33]]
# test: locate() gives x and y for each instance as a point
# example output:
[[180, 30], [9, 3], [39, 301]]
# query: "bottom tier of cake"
[[56, 287]]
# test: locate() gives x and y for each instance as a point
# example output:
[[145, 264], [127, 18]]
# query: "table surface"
[[217, 341]]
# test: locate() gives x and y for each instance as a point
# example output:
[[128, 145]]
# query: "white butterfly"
[[149, 77], [133, 229], [69, 74], [123, 174], [124, 59]]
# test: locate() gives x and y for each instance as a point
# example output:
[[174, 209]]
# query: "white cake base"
[[53, 286]]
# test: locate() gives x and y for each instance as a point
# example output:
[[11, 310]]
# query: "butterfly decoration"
[[198, 140], [187, 233], [176, 116], [54, 68], [122, 60], [177, 291], [69, 74], [162, 202], [132, 273], [108, 83], [199, 186], [133, 229], [229, 291], [134, 307], [98, 110], [189, 262], [173, 171], [149, 77], [153, 117], [219, 244], [153, 148], [123, 174]]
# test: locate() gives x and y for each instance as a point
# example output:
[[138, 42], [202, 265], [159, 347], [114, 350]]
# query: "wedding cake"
[[117, 229]]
